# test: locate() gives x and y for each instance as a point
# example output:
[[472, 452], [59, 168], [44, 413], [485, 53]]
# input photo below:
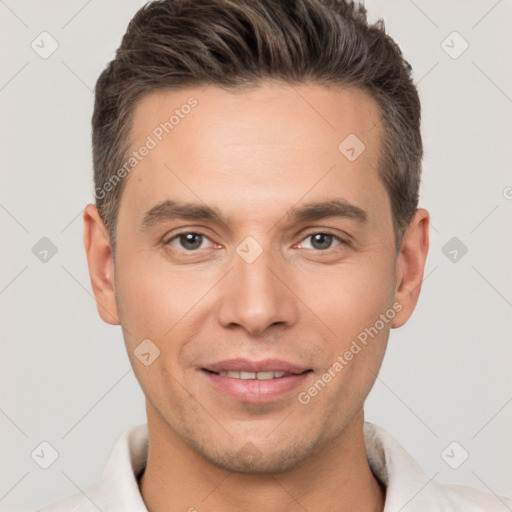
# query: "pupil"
[[187, 240], [320, 240], [323, 239]]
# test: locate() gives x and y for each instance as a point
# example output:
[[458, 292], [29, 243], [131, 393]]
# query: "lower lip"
[[256, 391]]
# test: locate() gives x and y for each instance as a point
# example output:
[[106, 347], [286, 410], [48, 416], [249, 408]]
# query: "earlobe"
[[411, 265], [101, 264]]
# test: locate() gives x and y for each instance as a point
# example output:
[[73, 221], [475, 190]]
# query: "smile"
[[253, 375]]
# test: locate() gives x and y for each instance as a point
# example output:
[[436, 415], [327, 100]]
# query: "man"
[[257, 234]]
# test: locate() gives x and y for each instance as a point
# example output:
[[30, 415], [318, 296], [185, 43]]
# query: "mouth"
[[254, 375], [246, 367], [255, 381]]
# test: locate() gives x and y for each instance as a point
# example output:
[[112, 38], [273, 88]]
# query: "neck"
[[337, 477]]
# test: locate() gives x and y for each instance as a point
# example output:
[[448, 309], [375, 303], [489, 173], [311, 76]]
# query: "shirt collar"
[[407, 487]]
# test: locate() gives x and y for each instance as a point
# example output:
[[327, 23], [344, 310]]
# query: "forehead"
[[261, 110], [249, 149]]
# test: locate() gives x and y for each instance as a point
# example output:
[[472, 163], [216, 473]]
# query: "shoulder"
[[117, 489], [410, 489], [460, 498]]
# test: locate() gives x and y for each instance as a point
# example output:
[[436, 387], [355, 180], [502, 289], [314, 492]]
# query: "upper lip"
[[247, 365]]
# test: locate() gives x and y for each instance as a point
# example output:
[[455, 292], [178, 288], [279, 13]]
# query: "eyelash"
[[176, 236]]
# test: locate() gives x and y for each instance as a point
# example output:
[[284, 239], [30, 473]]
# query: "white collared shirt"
[[408, 489]]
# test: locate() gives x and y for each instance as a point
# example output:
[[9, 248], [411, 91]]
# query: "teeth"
[[253, 375], [269, 375]]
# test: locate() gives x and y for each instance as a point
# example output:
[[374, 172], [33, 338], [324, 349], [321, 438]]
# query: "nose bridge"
[[254, 297]]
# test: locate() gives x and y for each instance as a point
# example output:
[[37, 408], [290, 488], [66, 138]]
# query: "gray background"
[[65, 376]]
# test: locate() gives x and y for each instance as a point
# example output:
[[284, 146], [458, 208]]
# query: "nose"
[[257, 295]]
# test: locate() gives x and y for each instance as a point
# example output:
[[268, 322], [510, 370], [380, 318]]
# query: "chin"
[[251, 460]]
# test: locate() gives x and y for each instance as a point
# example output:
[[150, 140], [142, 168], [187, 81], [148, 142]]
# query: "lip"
[[247, 365], [253, 390]]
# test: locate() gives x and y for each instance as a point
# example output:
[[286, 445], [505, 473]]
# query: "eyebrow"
[[169, 210]]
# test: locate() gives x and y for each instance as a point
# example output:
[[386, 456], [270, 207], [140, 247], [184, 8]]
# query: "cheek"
[[362, 320], [163, 303], [154, 308], [353, 296], [149, 300]]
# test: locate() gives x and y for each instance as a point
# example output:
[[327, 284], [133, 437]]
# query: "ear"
[[101, 264], [410, 266]]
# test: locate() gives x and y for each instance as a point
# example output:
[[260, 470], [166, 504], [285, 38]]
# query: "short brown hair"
[[172, 44]]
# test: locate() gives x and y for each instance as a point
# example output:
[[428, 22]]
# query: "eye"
[[321, 241], [189, 241]]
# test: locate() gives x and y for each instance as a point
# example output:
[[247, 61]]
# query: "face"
[[250, 241]]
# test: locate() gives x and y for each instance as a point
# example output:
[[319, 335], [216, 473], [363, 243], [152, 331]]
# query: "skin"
[[254, 154]]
